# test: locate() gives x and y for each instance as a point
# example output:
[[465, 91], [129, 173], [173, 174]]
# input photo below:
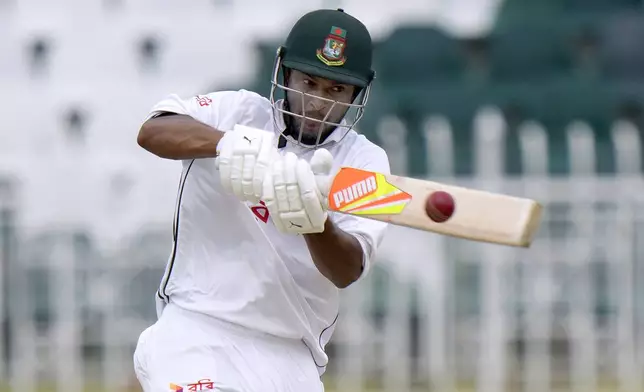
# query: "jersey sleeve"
[[368, 232], [222, 107]]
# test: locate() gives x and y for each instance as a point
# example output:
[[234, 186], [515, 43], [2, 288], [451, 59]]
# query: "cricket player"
[[249, 298]]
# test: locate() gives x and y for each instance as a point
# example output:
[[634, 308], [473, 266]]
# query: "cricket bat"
[[477, 216]]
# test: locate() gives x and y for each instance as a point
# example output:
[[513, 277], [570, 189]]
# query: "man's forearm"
[[337, 254], [179, 137]]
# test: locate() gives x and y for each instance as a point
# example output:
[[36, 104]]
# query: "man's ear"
[[356, 93], [286, 73]]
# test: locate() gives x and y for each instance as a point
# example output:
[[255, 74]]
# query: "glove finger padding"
[[243, 156], [248, 146], [235, 178], [279, 186], [292, 196], [310, 194], [321, 165], [321, 162], [269, 198], [264, 158], [248, 172], [290, 179]]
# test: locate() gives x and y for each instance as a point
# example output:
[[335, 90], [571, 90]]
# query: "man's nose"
[[314, 104]]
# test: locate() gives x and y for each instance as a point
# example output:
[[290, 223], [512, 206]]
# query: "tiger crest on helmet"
[[332, 53]]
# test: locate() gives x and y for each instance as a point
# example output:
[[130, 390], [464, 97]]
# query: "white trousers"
[[184, 351]]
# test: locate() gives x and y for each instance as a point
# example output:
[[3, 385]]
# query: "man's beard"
[[296, 131]]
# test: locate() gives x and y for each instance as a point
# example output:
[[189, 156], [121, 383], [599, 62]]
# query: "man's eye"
[[338, 89], [308, 82]]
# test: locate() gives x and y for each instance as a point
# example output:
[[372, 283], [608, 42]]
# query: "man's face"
[[314, 107]]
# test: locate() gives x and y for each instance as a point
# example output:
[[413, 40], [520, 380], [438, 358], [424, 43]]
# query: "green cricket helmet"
[[330, 44]]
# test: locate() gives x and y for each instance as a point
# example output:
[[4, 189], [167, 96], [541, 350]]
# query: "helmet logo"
[[332, 53]]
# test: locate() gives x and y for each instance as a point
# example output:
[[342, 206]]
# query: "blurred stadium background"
[[539, 98]]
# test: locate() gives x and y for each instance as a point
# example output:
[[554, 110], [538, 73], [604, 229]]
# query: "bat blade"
[[478, 216]]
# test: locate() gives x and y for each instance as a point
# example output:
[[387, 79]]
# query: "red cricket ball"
[[439, 206]]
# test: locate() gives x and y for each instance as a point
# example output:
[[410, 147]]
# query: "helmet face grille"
[[298, 138]]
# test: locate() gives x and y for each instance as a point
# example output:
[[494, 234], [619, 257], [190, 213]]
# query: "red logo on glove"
[[261, 212]]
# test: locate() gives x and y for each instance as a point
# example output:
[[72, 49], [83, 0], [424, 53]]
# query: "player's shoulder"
[[237, 97], [225, 108], [362, 145], [362, 153]]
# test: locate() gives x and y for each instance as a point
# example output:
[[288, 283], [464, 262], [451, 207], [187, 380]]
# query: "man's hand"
[[295, 192], [244, 155]]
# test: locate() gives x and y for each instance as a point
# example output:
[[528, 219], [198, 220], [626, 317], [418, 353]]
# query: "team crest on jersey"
[[332, 53], [203, 100]]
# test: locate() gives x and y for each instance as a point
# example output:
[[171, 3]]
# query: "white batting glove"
[[244, 154], [295, 192]]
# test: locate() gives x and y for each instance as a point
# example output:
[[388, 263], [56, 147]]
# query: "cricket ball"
[[439, 206]]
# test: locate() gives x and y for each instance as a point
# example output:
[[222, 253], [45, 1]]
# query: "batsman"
[[249, 297]]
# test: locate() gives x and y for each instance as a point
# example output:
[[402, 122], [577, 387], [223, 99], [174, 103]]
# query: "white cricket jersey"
[[229, 261]]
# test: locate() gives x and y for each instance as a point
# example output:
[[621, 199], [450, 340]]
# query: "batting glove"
[[295, 192], [244, 155]]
